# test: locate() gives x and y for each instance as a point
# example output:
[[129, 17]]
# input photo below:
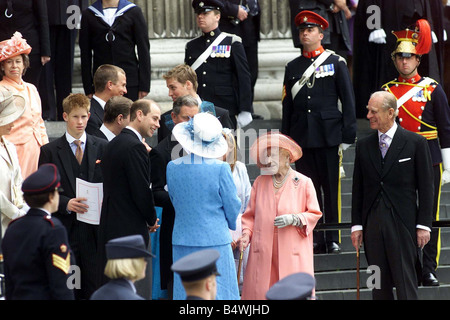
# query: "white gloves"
[[244, 118], [342, 148], [287, 220], [446, 164], [378, 36]]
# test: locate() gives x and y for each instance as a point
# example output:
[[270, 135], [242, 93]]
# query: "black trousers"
[[430, 251], [83, 240], [56, 78], [390, 246], [322, 166]]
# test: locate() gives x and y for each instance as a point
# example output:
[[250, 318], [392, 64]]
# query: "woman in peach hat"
[[280, 217], [29, 132]]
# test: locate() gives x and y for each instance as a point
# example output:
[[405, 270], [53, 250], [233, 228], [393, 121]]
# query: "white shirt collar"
[[71, 139], [390, 133], [135, 131], [100, 101], [108, 133]]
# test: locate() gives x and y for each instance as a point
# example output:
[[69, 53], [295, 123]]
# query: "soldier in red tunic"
[[423, 108]]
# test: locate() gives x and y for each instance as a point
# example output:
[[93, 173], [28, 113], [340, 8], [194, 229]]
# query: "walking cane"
[[240, 265], [357, 274]]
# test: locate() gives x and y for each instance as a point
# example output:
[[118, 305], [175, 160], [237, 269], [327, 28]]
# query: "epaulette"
[[340, 58], [49, 219], [234, 37]]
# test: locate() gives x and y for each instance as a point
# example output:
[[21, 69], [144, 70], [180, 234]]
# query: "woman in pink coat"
[[281, 215], [29, 132]]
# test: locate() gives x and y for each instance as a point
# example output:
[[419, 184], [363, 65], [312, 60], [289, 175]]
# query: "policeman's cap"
[[198, 265], [297, 286], [206, 5], [308, 19], [45, 179], [127, 247]]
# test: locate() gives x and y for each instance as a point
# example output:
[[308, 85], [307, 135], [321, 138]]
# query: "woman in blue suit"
[[205, 200]]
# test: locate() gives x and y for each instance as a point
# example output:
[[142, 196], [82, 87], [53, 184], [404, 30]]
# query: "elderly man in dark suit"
[[128, 205], [392, 199], [63, 152]]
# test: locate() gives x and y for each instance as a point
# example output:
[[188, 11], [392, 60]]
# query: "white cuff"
[[244, 118], [445, 158], [377, 36]]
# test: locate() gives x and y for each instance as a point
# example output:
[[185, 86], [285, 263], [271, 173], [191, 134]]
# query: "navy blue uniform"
[[37, 258], [319, 125], [224, 79]]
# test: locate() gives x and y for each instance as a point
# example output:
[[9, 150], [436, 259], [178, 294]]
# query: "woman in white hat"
[[12, 205], [205, 199], [29, 132]]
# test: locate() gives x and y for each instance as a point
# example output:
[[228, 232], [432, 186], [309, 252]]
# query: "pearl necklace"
[[278, 184]]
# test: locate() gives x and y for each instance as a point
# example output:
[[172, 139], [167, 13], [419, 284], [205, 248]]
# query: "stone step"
[[425, 293], [346, 279]]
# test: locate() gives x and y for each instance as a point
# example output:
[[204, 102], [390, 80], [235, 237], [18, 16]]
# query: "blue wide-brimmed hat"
[[202, 135]]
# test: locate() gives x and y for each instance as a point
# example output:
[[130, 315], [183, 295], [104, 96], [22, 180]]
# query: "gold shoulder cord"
[[426, 93]]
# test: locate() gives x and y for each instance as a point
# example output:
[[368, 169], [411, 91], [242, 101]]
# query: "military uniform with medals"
[[224, 76], [313, 118]]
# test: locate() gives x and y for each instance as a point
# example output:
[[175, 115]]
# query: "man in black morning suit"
[[392, 199], [128, 205], [223, 74], [62, 152]]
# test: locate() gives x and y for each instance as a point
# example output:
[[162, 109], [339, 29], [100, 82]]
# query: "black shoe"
[[429, 280], [333, 247]]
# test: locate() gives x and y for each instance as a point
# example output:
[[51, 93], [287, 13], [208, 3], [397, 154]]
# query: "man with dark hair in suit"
[[77, 155], [109, 81], [128, 205], [392, 199], [116, 117]]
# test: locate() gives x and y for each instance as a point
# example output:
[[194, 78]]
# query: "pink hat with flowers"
[[15, 46]]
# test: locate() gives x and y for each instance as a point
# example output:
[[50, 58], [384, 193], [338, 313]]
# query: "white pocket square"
[[405, 159]]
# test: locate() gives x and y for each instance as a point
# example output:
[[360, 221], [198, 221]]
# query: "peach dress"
[[29, 132], [276, 253]]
